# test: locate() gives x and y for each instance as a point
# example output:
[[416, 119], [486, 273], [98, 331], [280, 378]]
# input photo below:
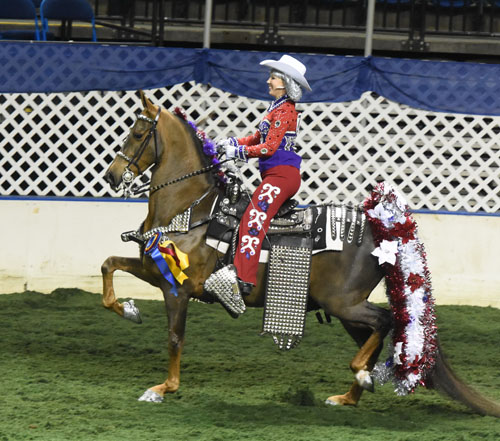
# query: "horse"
[[340, 282]]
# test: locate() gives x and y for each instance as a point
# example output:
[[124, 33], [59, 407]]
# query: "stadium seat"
[[22, 10], [452, 4], [66, 10]]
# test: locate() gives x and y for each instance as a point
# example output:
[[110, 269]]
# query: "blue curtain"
[[470, 88]]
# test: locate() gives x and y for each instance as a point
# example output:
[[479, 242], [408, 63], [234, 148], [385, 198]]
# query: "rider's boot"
[[245, 287], [225, 286]]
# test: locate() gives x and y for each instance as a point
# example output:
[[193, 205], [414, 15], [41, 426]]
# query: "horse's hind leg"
[[368, 325], [130, 265]]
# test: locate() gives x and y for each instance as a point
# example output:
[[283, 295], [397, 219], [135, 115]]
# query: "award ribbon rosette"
[[169, 259]]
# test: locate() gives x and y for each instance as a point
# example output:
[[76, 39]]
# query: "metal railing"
[[148, 19]]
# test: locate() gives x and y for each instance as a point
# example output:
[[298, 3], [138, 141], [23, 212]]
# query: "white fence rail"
[[61, 144]]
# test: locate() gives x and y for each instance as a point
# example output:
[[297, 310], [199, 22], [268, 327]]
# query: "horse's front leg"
[[130, 265], [177, 313]]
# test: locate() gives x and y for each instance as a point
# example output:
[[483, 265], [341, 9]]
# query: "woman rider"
[[274, 144]]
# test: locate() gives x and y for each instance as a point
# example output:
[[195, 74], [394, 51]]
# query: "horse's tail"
[[444, 380]]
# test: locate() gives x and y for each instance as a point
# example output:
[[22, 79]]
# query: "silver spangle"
[[340, 216], [179, 224], [343, 216], [352, 228], [286, 295], [362, 226], [223, 284]]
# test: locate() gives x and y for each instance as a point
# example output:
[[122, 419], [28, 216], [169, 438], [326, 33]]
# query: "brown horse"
[[340, 282]]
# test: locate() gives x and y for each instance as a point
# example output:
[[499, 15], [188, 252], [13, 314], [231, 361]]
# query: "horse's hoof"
[[340, 400], [332, 403], [131, 312], [365, 380], [151, 397]]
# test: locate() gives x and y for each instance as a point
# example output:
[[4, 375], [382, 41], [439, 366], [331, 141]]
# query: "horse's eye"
[[138, 135]]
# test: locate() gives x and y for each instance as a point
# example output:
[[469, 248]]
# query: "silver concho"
[[127, 176], [263, 151]]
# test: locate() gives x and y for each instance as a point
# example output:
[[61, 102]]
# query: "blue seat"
[[69, 10], [394, 2], [452, 4], [22, 10]]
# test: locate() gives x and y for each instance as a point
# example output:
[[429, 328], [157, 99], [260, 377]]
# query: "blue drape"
[[458, 87]]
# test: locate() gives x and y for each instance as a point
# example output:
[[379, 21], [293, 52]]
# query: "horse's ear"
[[146, 103], [144, 100]]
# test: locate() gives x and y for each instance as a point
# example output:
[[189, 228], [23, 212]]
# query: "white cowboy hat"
[[289, 66]]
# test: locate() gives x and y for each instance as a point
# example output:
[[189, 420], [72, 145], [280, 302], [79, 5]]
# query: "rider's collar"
[[275, 104]]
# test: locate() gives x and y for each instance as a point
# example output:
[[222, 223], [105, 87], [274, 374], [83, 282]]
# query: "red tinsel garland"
[[414, 336]]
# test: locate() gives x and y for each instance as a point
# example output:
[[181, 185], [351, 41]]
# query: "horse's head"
[[140, 149]]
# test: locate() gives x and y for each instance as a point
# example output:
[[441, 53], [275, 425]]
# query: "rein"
[[144, 188]]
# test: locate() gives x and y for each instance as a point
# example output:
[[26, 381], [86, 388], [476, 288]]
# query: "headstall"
[[128, 175]]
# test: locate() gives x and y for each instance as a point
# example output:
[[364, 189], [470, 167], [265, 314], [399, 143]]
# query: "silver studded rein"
[[144, 188]]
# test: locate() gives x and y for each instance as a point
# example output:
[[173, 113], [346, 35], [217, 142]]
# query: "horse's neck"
[[172, 200], [181, 159]]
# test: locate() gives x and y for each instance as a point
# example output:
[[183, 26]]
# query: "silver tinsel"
[[382, 373]]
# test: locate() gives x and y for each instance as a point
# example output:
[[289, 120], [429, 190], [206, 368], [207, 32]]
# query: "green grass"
[[71, 370]]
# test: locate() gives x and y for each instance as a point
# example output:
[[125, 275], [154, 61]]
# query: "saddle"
[[294, 235], [328, 226]]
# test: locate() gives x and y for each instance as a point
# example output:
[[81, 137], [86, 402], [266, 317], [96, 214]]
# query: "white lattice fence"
[[61, 144]]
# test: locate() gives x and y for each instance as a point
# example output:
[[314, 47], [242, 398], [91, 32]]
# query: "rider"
[[279, 165]]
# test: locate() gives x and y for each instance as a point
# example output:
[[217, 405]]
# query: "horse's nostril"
[[108, 177]]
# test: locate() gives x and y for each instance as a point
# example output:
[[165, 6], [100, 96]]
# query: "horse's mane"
[[200, 140]]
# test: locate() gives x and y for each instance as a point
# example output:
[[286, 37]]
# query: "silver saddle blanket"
[[329, 226]]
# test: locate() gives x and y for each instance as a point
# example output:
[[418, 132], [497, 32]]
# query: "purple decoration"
[[263, 205], [209, 147]]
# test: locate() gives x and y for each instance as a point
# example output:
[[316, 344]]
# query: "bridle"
[[127, 175]]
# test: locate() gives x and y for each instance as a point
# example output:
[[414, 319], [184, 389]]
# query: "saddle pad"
[[322, 233]]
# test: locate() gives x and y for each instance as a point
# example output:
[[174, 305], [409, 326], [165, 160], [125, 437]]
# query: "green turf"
[[71, 370]]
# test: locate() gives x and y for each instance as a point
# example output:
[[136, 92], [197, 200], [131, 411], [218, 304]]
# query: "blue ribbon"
[[152, 250]]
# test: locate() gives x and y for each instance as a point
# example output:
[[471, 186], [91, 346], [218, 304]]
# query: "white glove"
[[221, 145], [231, 151], [230, 147]]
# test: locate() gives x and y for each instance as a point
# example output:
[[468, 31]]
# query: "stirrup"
[[223, 284]]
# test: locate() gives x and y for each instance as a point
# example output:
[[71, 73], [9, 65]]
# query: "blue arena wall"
[[457, 87]]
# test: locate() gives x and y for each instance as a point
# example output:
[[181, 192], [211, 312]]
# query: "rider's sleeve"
[[250, 140], [284, 119]]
